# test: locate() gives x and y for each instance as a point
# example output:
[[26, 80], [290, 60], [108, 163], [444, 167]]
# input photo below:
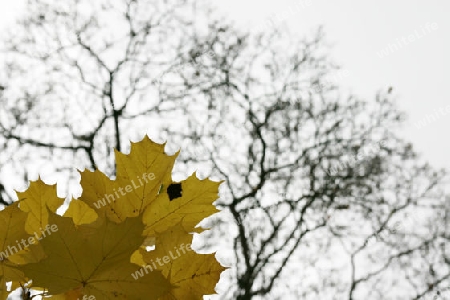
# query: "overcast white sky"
[[419, 70]]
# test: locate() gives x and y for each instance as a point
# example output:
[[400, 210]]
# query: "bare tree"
[[322, 199]]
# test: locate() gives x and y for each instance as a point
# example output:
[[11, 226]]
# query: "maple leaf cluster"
[[114, 232]]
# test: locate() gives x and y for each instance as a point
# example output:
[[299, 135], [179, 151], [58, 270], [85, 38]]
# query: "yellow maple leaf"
[[139, 178], [193, 274], [37, 200], [193, 205], [12, 235], [94, 258], [104, 236]]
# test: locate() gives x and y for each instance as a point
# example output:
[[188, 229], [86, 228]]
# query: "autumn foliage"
[[95, 249]]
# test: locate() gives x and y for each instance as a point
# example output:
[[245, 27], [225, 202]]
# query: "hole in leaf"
[[174, 191], [149, 248]]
